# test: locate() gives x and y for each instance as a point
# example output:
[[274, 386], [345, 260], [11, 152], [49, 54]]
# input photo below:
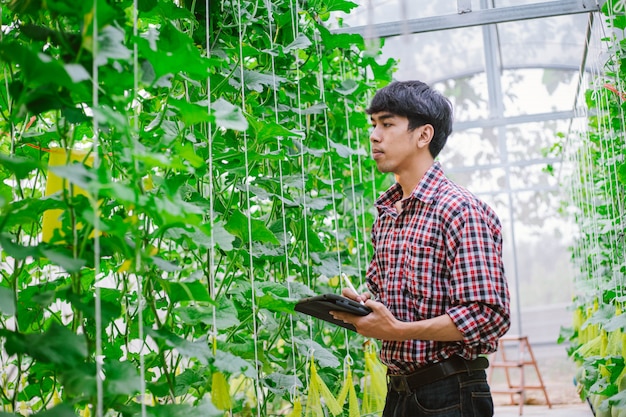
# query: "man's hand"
[[379, 324]]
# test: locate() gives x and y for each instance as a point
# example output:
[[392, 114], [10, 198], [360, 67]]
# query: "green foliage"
[[598, 193], [212, 172]]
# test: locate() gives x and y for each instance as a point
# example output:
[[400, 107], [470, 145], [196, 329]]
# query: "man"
[[438, 293]]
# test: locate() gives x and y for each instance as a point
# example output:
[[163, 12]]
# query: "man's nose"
[[374, 135]]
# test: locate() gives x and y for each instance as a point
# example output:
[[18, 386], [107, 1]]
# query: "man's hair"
[[420, 104]]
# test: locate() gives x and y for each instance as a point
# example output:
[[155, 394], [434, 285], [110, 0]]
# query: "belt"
[[435, 372]]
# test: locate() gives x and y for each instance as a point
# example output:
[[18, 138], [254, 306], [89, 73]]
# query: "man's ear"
[[425, 135]]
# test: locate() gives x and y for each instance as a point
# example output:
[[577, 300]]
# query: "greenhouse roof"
[[450, 39], [515, 71]]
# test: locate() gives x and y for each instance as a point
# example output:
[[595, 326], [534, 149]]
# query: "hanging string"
[[307, 255], [249, 216], [94, 205], [322, 88], [270, 19], [355, 217], [138, 276], [620, 216], [362, 209], [211, 254]]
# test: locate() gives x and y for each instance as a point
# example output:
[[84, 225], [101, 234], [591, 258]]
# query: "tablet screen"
[[320, 306]]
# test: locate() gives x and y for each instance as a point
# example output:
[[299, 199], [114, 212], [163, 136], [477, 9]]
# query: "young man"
[[438, 292]]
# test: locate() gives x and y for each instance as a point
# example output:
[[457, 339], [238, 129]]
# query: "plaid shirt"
[[441, 255]]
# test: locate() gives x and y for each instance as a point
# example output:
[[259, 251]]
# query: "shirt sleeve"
[[478, 288]]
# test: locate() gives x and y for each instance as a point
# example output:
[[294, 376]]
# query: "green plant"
[[597, 341], [212, 171]]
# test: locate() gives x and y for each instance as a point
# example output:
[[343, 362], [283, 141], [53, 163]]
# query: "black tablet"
[[320, 306]]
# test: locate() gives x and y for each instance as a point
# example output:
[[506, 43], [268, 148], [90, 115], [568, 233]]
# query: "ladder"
[[525, 357]]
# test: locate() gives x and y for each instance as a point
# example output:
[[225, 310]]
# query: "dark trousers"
[[462, 395]]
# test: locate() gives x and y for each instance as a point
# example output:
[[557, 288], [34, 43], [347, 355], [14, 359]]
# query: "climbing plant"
[[597, 194], [174, 176]]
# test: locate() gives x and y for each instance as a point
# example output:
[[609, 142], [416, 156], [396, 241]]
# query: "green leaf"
[[63, 259], [75, 173], [600, 316], [7, 301], [228, 115], [146, 5], [274, 297], [121, 378], [198, 349], [257, 81], [110, 308], [205, 408], [621, 173], [61, 410], [58, 345], [6, 195], [619, 21], [170, 51], [238, 226], [326, 264], [190, 113], [188, 153], [282, 383], [339, 5], [111, 45], [18, 251], [618, 400], [226, 314], [614, 322], [232, 364], [18, 165], [324, 357], [80, 381], [37, 68], [338, 40], [264, 129], [301, 42], [347, 87], [186, 291], [344, 151]]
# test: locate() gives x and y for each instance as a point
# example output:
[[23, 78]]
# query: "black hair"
[[419, 103]]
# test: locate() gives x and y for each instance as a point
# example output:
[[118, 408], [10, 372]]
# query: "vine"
[[149, 239]]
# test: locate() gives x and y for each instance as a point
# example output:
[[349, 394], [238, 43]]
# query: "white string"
[[583, 194], [270, 19], [307, 255], [617, 193], [142, 364], [602, 131], [320, 80], [249, 217], [352, 184], [211, 254], [94, 204], [362, 210]]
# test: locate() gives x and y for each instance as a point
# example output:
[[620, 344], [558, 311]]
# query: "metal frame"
[[516, 120], [488, 17], [467, 18]]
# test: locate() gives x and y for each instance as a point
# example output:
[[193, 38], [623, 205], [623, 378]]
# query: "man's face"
[[393, 146]]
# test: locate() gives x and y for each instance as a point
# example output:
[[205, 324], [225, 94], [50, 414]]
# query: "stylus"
[[345, 278]]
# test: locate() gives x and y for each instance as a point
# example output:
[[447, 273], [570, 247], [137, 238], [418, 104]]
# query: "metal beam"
[[515, 120], [476, 18]]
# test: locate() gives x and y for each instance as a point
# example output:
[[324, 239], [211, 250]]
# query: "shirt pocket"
[[426, 299]]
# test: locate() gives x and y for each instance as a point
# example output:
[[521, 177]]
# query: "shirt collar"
[[425, 190]]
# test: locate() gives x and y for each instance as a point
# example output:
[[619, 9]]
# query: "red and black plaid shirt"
[[441, 255]]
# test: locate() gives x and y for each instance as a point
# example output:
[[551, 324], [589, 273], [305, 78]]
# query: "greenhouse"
[[178, 174]]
